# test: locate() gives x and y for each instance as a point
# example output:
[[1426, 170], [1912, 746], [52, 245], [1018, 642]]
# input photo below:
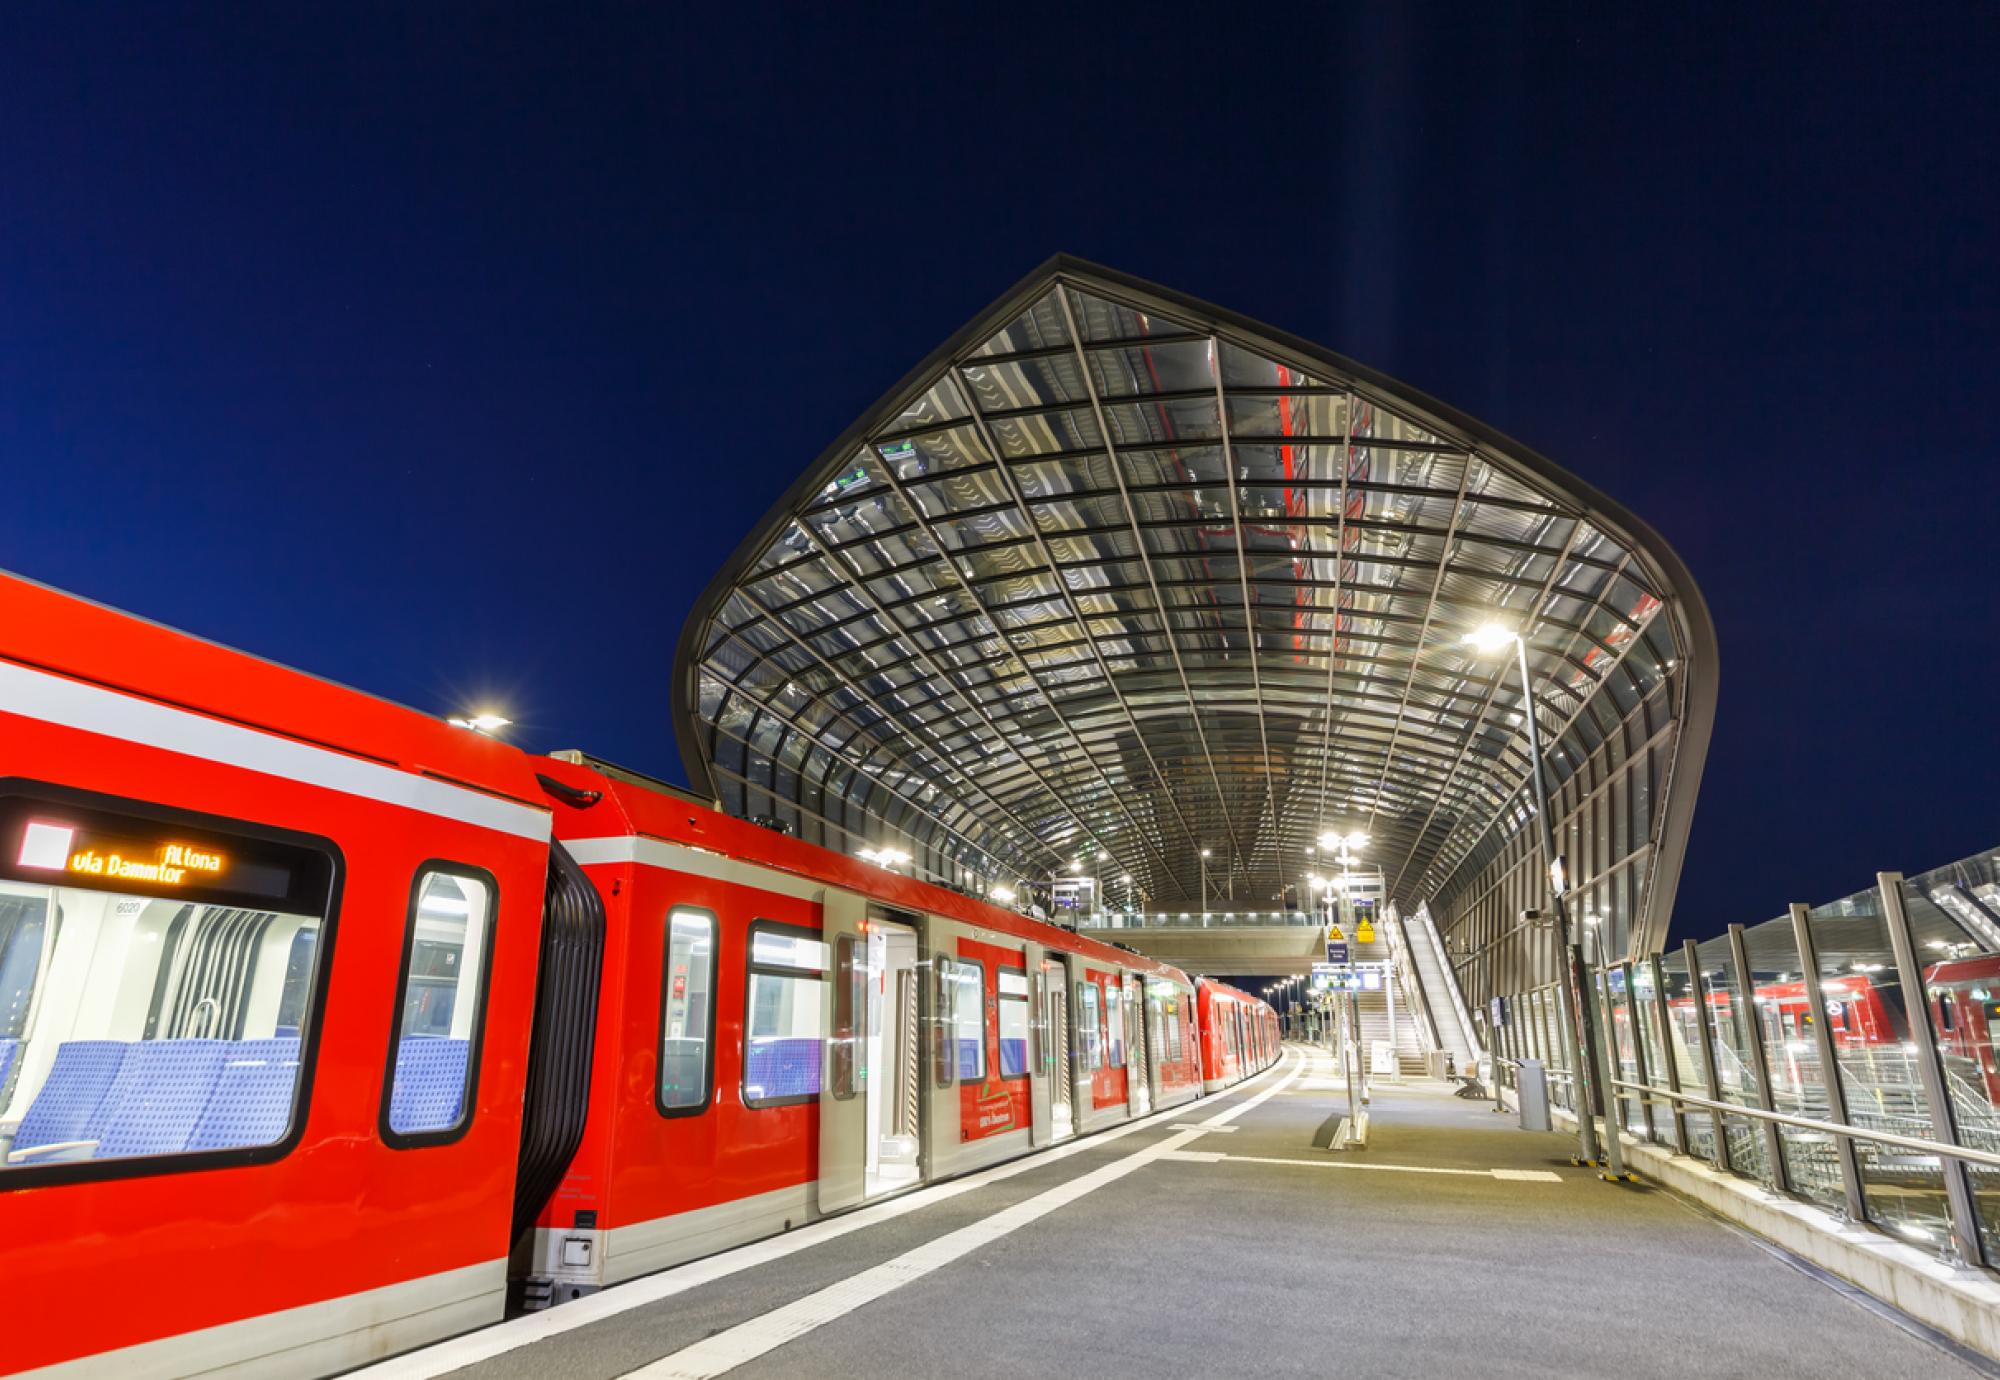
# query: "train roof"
[[655, 809], [83, 640]]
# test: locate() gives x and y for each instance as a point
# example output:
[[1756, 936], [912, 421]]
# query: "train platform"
[[1218, 1238]]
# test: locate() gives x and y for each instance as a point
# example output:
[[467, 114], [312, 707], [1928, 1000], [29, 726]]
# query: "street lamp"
[[1493, 637]]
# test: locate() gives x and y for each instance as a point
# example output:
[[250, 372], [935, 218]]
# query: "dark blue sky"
[[447, 353]]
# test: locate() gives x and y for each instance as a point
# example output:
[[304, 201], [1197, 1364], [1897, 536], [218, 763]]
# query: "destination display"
[[52, 842]]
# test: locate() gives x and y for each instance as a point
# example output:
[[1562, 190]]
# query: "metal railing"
[[1219, 919], [1817, 1054]]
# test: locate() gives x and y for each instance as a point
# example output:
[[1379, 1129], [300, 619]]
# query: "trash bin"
[[1532, 1090]]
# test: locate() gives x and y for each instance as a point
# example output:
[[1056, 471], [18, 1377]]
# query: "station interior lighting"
[[1003, 894], [883, 857], [1489, 637]]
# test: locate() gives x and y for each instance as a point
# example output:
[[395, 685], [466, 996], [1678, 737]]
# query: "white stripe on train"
[[94, 709]]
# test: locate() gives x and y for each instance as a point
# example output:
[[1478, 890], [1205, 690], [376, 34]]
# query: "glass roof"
[[1118, 573]]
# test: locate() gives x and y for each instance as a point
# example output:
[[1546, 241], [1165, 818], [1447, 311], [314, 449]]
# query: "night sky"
[[447, 353]]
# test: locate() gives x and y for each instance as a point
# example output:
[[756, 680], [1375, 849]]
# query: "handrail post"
[[1710, 1070], [1663, 1019], [1753, 1037], [1836, 1094], [1930, 1071]]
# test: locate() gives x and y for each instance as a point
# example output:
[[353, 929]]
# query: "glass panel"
[[1013, 1036], [1867, 1015], [1623, 1049], [160, 1014], [850, 1002], [1734, 1066], [1959, 950], [443, 982], [688, 1013], [969, 1019], [1090, 1026], [781, 1051], [1684, 1029], [1115, 1023], [1791, 1053]]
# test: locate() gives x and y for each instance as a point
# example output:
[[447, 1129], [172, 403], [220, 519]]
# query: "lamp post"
[[1491, 637]]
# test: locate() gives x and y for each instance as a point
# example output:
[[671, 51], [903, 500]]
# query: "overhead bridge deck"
[[1217, 1239]]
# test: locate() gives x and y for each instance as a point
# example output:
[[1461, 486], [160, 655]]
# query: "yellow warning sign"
[[1364, 933], [1334, 935]]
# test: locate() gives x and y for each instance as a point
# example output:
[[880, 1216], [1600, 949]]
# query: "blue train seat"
[[968, 1057], [66, 1106], [9, 1048], [781, 1068], [159, 1095], [429, 1091], [1013, 1058], [252, 1100]]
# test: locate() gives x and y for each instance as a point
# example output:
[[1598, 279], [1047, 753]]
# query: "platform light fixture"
[[891, 858]]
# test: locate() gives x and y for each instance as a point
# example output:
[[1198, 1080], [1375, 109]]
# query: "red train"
[[324, 1026]]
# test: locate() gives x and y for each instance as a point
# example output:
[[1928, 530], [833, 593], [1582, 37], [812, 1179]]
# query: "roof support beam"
[[1117, 464]]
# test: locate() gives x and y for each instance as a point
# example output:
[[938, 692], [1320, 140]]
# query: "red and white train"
[[326, 1027]]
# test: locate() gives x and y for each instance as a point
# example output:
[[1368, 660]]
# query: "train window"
[[1171, 1021], [427, 1097], [160, 986], [850, 1012], [781, 1047], [944, 1025], [26, 941], [969, 1019], [687, 1011], [1114, 1020], [1090, 1025], [1014, 1023]]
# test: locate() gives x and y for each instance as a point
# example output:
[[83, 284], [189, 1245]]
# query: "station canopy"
[[1116, 577]]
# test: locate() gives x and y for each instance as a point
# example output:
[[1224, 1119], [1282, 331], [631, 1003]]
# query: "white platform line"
[[501, 1338], [1525, 1176], [727, 1350]]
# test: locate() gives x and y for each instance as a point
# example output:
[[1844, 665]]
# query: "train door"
[[1058, 1047], [1156, 1036], [1138, 1071], [1041, 1110], [869, 1128]]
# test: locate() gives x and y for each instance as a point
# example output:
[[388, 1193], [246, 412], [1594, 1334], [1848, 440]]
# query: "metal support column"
[[1944, 1124], [1602, 1061], [1664, 1019], [1836, 1095], [1723, 1159], [1744, 1007]]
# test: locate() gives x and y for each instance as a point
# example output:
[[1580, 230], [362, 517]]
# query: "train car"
[[270, 948], [1856, 1014], [1964, 997], [787, 1032], [1239, 1034], [328, 1030]]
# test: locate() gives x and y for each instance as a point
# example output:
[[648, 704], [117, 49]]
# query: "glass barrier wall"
[[1750, 1029], [1954, 915]]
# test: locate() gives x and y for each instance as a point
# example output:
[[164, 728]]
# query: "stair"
[[1374, 1012]]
